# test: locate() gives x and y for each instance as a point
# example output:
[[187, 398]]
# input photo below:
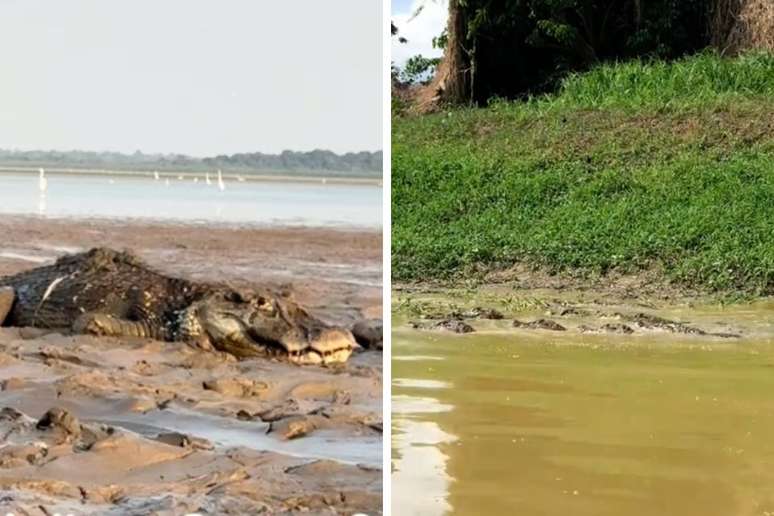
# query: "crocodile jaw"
[[328, 346]]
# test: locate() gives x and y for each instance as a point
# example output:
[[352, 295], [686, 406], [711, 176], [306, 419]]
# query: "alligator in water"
[[106, 292]]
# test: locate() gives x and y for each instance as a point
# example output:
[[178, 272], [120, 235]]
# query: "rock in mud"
[[368, 333], [145, 368], [142, 404], [207, 360], [341, 397], [540, 324], [11, 414], [452, 325], [19, 455], [62, 422], [287, 408], [12, 384], [92, 434], [236, 387], [6, 302], [184, 441], [292, 427], [29, 333], [244, 415]]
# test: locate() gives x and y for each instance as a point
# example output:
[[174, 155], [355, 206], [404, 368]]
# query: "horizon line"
[[143, 153]]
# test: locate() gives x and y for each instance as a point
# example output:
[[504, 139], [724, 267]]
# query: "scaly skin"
[[105, 292]]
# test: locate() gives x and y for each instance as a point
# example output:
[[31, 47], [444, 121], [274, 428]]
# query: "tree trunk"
[[742, 25], [452, 82]]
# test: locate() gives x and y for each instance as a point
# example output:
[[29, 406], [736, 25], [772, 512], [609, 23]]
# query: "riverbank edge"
[[647, 289], [586, 315]]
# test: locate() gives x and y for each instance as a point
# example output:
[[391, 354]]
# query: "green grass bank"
[[632, 166]]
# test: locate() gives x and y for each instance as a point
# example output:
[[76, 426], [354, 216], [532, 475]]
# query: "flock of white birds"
[[43, 180], [43, 185]]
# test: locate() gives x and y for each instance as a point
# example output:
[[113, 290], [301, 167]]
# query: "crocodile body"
[[107, 292]]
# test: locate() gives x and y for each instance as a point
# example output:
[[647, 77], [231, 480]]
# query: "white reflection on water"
[[420, 484], [42, 204], [264, 203], [416, 383]]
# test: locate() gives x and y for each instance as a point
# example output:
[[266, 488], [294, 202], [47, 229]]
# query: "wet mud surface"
[[120, 426]]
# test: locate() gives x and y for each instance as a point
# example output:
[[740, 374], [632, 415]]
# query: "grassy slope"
[[631, 166]]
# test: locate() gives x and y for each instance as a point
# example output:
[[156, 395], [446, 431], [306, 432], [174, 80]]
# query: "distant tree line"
[[366, 163], [289, 160]]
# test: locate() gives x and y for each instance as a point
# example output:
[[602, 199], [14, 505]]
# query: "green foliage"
[[441, 40], [697, 80], [527, 46], [418, 70], [631, 166]]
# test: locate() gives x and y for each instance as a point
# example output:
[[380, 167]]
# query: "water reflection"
[[563, 428], [42, 204], [272, 203], [419, 479]]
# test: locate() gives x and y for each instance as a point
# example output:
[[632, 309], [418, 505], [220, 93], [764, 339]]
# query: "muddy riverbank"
[[163, 428], [581, 309]]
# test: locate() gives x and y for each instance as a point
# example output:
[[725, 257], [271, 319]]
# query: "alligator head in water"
[[251, 324]]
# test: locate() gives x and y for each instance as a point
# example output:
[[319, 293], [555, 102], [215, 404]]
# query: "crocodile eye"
[[234, 297]]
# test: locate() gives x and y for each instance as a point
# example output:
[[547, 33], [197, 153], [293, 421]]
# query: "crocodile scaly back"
[[100, 280]]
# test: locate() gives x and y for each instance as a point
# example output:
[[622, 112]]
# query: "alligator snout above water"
[[106, 292]]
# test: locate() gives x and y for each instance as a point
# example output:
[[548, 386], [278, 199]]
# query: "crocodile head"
[[251, 324]]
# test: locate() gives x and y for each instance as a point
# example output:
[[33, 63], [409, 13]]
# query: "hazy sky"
[[418, 30], [199, 77]]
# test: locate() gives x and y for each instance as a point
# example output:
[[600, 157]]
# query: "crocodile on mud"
[[111, 293]]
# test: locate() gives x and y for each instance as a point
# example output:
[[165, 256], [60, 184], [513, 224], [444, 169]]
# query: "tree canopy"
[[509, 48]]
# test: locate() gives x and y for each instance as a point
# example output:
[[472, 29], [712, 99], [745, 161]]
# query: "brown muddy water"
[[535, 423]]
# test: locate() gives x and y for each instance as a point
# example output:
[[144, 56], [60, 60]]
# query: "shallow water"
[[532, 424], [224, 432], [229, 433], [249, 202]]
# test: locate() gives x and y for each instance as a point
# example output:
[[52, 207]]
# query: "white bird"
[[156, 175], [221, 184], [196, 179], [42, 181], [179, 178], [240, 179], [207, 178], [166, 182]]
